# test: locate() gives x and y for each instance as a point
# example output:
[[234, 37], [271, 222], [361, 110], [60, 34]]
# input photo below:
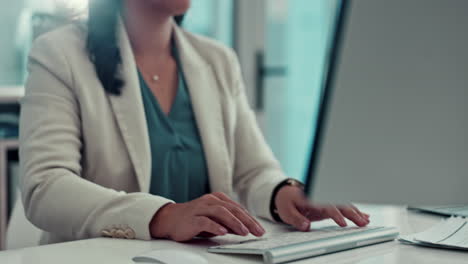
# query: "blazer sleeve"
[[56, 198], [256, 170]]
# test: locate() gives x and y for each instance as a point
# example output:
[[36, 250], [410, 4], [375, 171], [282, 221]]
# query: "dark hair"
[[103, 45]]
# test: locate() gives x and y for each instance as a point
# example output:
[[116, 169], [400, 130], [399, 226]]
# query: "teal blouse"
[[179, 171]]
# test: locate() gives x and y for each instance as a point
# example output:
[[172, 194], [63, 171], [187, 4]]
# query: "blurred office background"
[[282, 46]]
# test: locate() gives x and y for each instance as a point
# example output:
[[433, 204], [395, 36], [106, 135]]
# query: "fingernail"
[[223, 230], [364, 221], [305, 225], [245, 231], [259, 230]]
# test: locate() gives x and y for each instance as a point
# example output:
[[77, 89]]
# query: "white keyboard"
[[292, 238], [285, 247]]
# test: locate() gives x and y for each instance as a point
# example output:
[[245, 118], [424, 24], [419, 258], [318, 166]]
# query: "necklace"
[[153, 77]]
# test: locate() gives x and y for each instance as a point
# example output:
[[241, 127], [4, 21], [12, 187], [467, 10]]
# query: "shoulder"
[[66, 38], [57, 49]]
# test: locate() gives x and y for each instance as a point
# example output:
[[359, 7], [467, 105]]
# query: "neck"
[[149, 32]]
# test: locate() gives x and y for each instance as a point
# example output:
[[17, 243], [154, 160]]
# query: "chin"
[[172, 7]]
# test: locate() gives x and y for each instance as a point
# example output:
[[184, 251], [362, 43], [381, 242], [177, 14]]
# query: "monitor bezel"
[[334, 55]]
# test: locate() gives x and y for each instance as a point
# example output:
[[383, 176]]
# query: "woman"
[[134, 128]]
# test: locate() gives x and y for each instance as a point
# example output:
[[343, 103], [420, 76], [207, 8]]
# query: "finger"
[[364, 215], [223, 197], [238, 210], [304, 206], [226, 198], [207, 226], [311, 211], [335, 214], [220, 199], [354, 216], [224, 217], [246, 219], [293, 217]]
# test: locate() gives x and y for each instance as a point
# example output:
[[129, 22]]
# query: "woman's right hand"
[[212, 214]]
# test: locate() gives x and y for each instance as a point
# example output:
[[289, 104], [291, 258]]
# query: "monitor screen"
[[393, 124]]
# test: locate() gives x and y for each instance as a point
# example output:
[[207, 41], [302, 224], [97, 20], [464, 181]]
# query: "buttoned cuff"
[[136, 219]]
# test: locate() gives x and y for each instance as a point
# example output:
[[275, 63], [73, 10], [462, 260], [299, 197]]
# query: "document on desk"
[[450, 233]]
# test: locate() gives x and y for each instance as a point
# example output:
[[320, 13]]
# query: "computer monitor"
[[393, 122]]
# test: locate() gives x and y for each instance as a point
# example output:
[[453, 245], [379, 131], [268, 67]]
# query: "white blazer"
[[85, 155]]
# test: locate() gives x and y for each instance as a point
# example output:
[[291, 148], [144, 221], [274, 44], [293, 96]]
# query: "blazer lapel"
[[202, 85], [130, 115], [206, 103]]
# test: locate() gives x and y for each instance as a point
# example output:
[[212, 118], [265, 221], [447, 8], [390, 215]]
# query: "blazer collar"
[[130, 115], [206, 102]]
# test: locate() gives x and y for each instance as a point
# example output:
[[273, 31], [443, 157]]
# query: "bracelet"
[[287, 182]]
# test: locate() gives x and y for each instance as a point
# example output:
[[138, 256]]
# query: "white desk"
[[11, 94], [115, 251]]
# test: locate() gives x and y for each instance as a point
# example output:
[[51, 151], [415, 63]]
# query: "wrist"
[[158, 226], [287, 189], [291, 183]]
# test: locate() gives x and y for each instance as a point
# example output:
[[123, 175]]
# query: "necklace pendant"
[[155, 78]]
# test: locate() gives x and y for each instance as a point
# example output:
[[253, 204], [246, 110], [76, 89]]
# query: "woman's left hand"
[[294, 209]]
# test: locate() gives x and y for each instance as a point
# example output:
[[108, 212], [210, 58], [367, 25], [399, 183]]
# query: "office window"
[[10, 63], [21, 21], [212, 18], [298, 34]]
